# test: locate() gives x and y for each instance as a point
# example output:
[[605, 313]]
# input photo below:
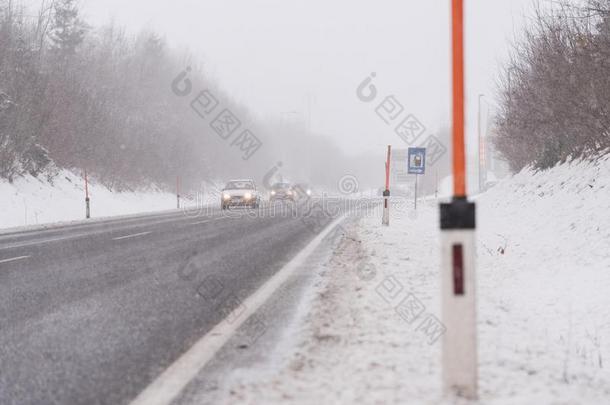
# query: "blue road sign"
[[417, 161]]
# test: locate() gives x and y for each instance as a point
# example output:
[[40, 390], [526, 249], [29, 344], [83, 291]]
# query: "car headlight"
[[308, 192], [289, 192], [272, 192], [226, 196], [248, 196]]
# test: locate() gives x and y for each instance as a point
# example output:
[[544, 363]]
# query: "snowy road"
[[93, 313]]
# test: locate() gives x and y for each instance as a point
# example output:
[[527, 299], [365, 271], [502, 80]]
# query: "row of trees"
[[555, 90], [76, 97]]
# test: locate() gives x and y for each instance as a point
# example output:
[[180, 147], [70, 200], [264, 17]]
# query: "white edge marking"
[[221, 218], [135, 235], [167, 386], [38, 242], [14, 259], [201, 222]]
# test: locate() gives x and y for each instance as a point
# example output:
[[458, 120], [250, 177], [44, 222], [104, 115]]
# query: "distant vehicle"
[[302, 191], [282, 192], [239, 193]]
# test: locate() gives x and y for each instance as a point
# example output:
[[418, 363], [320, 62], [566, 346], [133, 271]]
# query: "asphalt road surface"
[[92, 313]]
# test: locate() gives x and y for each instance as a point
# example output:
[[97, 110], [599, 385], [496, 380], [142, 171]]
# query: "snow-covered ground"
[[543, 304], [34, 201]]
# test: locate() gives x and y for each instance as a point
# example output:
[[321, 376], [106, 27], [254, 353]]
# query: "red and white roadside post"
[[459, 351], [385, 220], [87, 200]]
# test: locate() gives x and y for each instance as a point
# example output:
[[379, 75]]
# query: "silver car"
[[239, 193]]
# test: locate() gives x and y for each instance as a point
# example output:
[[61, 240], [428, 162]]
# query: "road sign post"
[[385, 220], [457, 222], [416, 165], [415, 202]]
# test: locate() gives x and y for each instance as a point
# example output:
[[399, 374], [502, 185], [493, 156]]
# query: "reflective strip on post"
[[458, 269]]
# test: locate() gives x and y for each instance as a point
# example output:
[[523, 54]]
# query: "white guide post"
[[458, 287], [385, 219]]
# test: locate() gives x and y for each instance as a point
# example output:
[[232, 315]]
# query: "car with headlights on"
[[302, 191], [239, 193], [282, 192]]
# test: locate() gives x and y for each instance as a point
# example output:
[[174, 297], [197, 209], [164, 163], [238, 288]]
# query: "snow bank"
[[544, 307], [544, 318], [30, 200]]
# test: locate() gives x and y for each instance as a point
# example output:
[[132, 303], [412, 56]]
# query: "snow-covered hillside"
[[543, 304], [31, 201]]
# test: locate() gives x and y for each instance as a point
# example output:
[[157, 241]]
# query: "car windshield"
[[281, 186], [239, 185]]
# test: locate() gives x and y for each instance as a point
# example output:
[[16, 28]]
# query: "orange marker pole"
[[178, 191], [459, 159], [387, 169], [87, 199]]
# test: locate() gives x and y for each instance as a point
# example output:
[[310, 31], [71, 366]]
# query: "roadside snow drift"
[[543, 304], [32, 201]]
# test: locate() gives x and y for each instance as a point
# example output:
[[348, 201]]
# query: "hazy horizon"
[[306, 59]]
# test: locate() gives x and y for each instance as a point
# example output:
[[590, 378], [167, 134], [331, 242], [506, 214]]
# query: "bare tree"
[[554, 90]]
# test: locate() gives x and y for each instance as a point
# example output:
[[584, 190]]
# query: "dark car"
[[282, 192], [302, 191]]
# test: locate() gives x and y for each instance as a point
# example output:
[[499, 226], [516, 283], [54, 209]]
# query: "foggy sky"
[[279, 56]]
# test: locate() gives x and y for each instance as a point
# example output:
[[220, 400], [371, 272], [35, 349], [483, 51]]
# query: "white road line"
[[166, 387], [202, 222], [208, 220], [92, 233], [135, 235], [38, 242], [14, 259]]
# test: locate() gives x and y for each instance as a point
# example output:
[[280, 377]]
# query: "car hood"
[[238, 193]]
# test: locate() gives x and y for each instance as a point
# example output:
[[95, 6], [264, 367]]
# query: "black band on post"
[[386, 193], [458, 214]]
